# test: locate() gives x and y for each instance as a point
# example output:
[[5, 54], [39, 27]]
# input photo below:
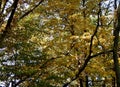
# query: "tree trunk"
[[87, 85], [81, 82], [116, 40]]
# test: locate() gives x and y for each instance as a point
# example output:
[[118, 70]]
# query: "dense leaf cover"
[[54, 43]]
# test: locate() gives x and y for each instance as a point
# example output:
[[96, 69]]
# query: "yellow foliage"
[[63, 32], [86, 36], [74, 37]]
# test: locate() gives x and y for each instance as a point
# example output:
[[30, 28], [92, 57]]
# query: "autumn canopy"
[[59, 43]]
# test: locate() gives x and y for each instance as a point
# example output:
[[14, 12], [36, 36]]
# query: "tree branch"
[[31, 10], [4, 6], [90, 50], [96, 29], [2, 10], [85, 64]]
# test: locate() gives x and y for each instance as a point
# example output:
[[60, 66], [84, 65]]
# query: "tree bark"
[[87, 85], [116, 41], [81, 82]]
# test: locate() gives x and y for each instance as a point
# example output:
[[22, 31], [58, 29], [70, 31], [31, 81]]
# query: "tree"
[[17, 11], [116, 41], [80, 38], [17, 52], [59, 43]]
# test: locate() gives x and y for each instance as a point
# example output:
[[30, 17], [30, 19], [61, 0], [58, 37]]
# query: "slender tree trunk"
[[81, 82], [116, 40], [86, 81]]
